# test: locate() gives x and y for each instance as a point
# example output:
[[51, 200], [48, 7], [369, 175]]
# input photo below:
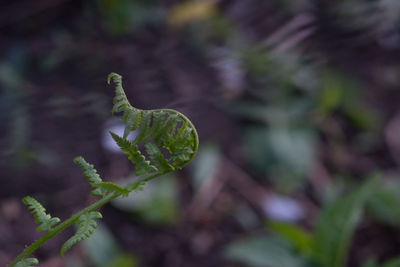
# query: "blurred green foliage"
[[103, 250], [315, 85], [327, 246], [122, 17], [263, 251], [156, 204]]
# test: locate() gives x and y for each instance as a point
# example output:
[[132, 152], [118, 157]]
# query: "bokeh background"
[[297, 108]]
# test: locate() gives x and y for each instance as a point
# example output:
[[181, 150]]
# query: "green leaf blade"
[[337, 224], [262, 251], [87, 225], [28, 262], [301, 240], [394, 262]]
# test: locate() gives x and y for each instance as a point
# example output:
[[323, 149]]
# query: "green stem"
[[38, 243], [71, 220]]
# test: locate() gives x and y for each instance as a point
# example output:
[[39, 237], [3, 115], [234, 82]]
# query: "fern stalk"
[[158, 129], [71, 220]]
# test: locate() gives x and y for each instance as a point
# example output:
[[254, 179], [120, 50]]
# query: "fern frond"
[[142, 166], [157, 129], [166, 140], [28, 262], [39, 212], [87, 225]]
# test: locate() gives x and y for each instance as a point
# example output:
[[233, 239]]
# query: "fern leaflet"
[[88, 170], [144, 127], [107, 187], [29, 262], [39, 212], [87, 225], [132, 120], [157, 157], [134, 155], [92, 176]]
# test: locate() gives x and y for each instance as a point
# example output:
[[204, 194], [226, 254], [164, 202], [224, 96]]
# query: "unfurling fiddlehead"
[[157, 129], [165, 141]]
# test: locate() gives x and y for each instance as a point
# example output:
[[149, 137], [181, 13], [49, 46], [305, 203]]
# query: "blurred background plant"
[[296, 104]]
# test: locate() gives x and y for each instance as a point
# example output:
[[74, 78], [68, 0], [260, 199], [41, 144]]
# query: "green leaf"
[[331, 94], [156, 204], [102, 250], [284, 152], [341, 93], [206, 165], [124, 260], [87, 225], [384, 204], [29, 262], [395, 262], [298, 237], [262, 251], [39, 212], [336, 225], [371, 262]]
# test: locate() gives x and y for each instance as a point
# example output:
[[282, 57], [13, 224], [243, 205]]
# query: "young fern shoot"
[[166, 141]]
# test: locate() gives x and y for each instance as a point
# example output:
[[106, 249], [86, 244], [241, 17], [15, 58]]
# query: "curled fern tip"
[[113, 76], [166, 140]]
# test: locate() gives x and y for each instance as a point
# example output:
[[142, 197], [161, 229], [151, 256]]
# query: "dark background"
[[293, 100]]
